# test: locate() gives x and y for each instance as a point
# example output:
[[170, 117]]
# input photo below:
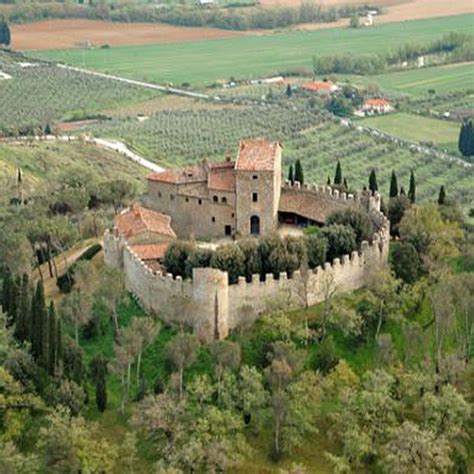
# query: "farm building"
[[320, 87], [376, 106]]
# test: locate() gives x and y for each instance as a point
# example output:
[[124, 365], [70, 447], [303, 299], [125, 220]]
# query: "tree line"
[[272, 254]]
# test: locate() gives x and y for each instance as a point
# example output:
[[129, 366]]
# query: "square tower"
[[258, 186]]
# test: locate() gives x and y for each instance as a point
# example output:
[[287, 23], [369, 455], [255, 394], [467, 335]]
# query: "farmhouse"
[[320, 87], [376, 106], [237, 198]]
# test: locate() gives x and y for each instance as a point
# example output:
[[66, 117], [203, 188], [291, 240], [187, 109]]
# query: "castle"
[[234, 199]]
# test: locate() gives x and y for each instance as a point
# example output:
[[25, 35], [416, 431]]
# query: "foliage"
[[406, 262], [341, 240], [355, 218]]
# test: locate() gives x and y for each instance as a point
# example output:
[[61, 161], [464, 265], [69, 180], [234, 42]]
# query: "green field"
[[417, 82], [204, 62], [416, 128]]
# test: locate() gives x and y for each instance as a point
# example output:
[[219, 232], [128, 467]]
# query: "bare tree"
[[77, 308]]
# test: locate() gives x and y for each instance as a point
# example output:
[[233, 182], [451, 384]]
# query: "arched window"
[[215, 199], [255, 225]]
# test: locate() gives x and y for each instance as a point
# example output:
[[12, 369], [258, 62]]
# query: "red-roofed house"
[[376, 106], [320, 87]]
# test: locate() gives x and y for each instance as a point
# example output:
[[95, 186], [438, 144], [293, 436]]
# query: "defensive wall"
[[218, 307]]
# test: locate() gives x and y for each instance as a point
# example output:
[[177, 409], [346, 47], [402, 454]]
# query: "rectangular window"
[[187, 199], [159, 194], [200, 201], [254, 197], [172, 197], [213, 219], [254, 176]]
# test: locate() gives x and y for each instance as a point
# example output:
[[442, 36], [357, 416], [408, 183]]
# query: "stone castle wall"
[[218, 307]]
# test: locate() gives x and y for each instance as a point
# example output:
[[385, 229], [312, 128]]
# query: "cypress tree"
[[338, 175], [24, 311], [299, 175], [291, 178], [99, 375], [14, 300], [463, 139], [441, 196], [402, 191], [38, 317], [59, 345], [345, 184], [412, 189], [289, 91], [393, 185], [6, 291], [470, 139], [52, 362], [373, 186]]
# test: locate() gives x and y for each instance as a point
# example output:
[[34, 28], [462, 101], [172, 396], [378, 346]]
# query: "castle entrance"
[[255, 225]]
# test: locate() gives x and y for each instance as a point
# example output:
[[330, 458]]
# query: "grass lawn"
[[417, 82], [204, 62], [415, 128]]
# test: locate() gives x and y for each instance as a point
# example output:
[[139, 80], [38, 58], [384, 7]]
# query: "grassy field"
[[417, 82], [43, 162], [416, 128], [204, 62]]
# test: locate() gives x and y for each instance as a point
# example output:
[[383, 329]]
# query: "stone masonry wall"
[[218, 307]]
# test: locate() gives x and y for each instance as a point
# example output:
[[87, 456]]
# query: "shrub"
[[326, 358], [396, 209], [198, 258], [341, 240], [355, 218], [252, 265], [406, 262], [229, 258], [176, 256], [316, 249]]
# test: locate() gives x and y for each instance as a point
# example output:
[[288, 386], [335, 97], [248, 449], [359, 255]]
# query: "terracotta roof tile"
[[319, 86], [377, 102], [187, 174], [222, 179], [257, 155], [138, 219], [150, 251]]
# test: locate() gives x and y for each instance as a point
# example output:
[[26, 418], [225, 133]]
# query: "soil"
[[62, 34]]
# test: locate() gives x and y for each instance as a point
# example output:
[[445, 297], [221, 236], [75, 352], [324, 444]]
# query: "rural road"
[[148, 85]]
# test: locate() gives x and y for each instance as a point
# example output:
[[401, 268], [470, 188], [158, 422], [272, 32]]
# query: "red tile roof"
[[187, 174], [222, 179], [377, 102], [318, 86], [138, 219], [150, 251], [257, 155]]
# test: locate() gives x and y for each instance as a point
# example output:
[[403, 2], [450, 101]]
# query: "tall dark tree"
[[5, 36], [14, 300], [373, 186], [6, 291], [52, 339], [23, 324], [338, 175], [402, 191], [442, 196], [463, 139], [393, 185], [38, 317], [299, 175], [328, 182], [98, 372], [291, 178], [289, 91], [346, 186], [412, 189], [59, 346]]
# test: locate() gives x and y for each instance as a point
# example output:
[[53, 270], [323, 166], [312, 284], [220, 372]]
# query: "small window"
[[224, 199], [215, 199], [172, 197], [187, 199], [213, 219], [159, 194], [254, 176], [199, 201], [233, 215], [254, 197]]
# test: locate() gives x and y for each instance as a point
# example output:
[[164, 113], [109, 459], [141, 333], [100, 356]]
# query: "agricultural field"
[[205, 62], [174, 137], [42, 162], [39, 93], [416, 128], [320, 149], [418, 82]]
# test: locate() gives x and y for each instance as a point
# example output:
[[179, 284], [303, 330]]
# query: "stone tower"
[[258, 186]]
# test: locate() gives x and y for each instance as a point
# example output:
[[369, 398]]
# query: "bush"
[[316, 249], [176, 256], [326, 358], [198, 258], [396, 209], [229, 258], [341, 240], [355, 218], [406, 262]]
